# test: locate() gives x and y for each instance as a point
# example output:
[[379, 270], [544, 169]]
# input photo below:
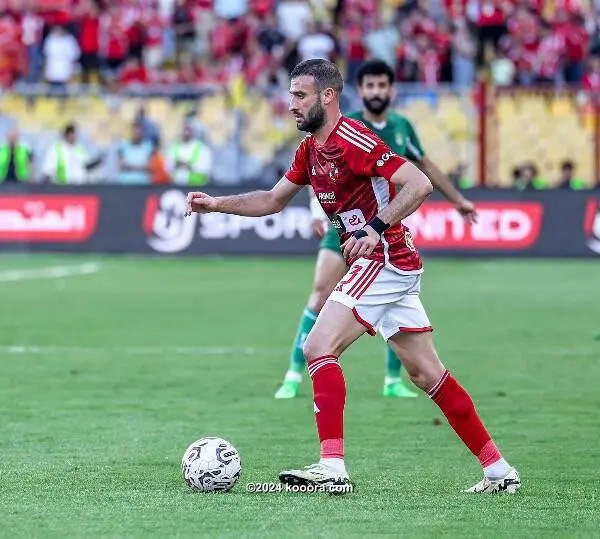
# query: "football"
[[211, 464]]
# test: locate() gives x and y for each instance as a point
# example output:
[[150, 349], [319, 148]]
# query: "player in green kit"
[[376, 88]]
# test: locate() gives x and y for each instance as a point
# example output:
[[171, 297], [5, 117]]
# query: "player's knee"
[[315, 347], [420, 379], [311, 349]]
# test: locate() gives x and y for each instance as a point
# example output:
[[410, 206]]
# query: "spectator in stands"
[[67, 161], [190, 159], [152, 27], [490, 18], [464, 50], [502, 69], [114, 41], [134, 158], [270, 37], [591, 80], [16, 160], [89, 40], [576, 41], [293, 18], [133, 73], [184, 27], [11, 51], [159, 175], [31, 37], [61, 51], [567, 179], [150, 129], [317, 43], [382, 40], [527, 178]]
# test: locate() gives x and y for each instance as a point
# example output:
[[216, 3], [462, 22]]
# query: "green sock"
[[393, 363], [309, 317]]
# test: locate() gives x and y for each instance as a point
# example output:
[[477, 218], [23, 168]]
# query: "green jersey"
[[397, 132]]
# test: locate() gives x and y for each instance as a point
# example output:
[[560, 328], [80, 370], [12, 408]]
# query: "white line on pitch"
[[50, 272], [139, 350]]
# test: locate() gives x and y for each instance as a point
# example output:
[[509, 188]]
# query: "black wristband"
[[378, 225], [362, 233]]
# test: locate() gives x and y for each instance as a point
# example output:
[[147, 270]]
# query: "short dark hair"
[[69, 130], [567, 164], [374, 67], [325, 73]]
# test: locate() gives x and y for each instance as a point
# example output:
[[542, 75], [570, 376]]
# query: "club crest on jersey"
[[333, 172], [408, 239]]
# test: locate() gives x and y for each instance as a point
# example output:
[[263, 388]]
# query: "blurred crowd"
[[139, 42]]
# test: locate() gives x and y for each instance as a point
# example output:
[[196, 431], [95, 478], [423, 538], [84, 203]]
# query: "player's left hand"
[[467, 209], [319, 227], [355, 248]]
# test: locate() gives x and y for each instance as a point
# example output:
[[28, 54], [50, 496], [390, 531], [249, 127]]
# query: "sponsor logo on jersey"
[[385, 158], [168, 231], [48, 218], [500, 226], [349, 221], [591, 224], [327, 197]]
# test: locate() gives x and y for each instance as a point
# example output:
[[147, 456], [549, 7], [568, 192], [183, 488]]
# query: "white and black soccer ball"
[[211, 464]]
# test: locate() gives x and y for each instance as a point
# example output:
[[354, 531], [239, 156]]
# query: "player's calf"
[[419, 358], [423, 365]]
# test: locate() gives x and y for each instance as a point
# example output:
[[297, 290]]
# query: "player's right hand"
[[363, 246], [198, 202], [319, 227]]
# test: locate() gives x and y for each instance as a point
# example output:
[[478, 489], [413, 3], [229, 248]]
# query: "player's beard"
[[376, 105], [315, 119]]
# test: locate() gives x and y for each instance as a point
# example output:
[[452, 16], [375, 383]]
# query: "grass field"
[[106, 378]]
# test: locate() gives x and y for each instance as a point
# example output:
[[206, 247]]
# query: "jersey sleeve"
[[374, 160], [298, 171], [414, 150]]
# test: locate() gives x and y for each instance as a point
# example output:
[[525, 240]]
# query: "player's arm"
[[319, 218], [252, 204], [413, 187], [441, 182]]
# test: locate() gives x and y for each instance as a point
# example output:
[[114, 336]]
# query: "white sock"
[[389, 380], [497, 470], [337, 465], [291, 376]]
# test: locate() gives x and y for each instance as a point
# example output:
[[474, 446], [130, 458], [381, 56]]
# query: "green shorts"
[[331, 241]]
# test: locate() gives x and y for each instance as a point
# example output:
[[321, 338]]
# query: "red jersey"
[[350, 175]]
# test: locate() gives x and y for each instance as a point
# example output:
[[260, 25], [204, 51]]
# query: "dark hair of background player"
[[374, 68]]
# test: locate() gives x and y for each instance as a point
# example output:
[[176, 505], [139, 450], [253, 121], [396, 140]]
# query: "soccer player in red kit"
[[366, 191]]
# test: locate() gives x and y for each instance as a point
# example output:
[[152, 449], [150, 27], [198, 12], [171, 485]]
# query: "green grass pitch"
[[106, 378]]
